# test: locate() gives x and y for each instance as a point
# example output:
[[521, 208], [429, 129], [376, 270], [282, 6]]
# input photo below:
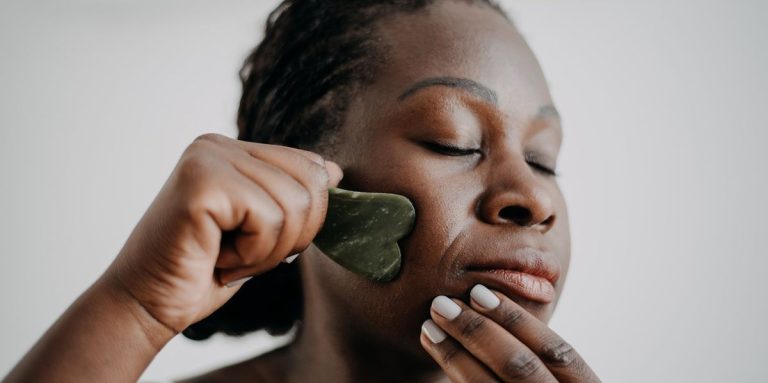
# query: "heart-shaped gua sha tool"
[[361, 231]]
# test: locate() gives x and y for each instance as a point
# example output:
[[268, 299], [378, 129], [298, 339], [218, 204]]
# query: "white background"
[[663, 165]]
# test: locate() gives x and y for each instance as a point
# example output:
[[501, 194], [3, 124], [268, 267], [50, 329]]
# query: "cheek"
[[443, 212], [560, 235], [441, 191]]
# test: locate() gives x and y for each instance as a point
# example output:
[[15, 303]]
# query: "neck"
[[330, 348], [322, 359]]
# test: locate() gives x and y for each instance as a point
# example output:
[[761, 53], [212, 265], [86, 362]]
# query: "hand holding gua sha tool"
[[361, 231]]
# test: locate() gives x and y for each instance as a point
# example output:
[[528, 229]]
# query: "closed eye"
[[533, 161], [450, 150], [543, 169]]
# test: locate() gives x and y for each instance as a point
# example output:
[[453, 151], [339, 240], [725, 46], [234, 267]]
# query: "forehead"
[[452, 38]]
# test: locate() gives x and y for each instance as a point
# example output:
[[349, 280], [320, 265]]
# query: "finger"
[[261, 221], [494, 346], [294, 199], [458, 364], [313, 176], [231, 277], [315, 157], [290, 194], [559, 357], [254, 147], [232, 258], [228, 256], [334, 172]]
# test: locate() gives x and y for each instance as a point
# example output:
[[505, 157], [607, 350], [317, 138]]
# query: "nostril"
[[517, 214], [549, 221]]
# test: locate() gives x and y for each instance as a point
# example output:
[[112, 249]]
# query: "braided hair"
[[297, 84]]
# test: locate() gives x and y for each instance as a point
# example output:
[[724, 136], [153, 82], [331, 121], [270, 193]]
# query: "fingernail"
[[434, 333], [238, 282], [484, 297], [446, 307], [290, 258]]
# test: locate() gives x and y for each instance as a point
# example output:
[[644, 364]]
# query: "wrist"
[[157, 333]]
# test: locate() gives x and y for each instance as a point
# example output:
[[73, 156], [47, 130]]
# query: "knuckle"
[[449, 356], [302, 201], [472, 325], [195, 189], [520, 366], [315, 157], [320, 176], [196, 166], [209, 137], [202, 200], [558, 353], [274, 219], [511, 318], [192, 165]]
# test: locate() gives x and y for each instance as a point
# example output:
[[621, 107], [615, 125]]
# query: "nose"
[[517, 197]]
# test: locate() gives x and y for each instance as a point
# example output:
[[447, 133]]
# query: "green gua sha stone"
[[361, 231]]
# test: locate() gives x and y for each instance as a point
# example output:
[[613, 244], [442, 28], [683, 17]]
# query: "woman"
[[440, 101]]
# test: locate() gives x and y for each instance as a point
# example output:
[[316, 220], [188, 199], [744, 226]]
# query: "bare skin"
[[175, 269], [460, 202], [457, 75]]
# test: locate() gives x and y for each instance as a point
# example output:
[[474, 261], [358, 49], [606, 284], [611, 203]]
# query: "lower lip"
[[522, 284]]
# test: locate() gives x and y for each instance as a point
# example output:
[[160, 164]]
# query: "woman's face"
[[456, 75]]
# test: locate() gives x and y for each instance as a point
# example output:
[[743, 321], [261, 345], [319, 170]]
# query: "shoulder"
[[264, 368]]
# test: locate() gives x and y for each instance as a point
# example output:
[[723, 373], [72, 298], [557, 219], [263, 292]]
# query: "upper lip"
[[526, 260]]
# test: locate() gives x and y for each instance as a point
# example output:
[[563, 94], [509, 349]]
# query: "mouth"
[[526, 273]]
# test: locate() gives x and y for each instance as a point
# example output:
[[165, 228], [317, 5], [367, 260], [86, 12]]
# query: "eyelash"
[[544, 169], [457, 152], [450, 150]]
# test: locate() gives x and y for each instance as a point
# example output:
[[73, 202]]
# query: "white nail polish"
[[484, 297], [446, 307], [432, 331], [238, 282], [290, 258]]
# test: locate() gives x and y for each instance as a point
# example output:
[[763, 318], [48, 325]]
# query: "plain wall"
[[663, 166]]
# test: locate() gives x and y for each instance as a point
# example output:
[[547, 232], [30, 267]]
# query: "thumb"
[[335, 174]]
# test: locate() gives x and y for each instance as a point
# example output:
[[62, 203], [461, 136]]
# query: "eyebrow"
[[474, 87]]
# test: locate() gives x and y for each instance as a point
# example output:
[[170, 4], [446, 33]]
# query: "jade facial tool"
[[361, 231]]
